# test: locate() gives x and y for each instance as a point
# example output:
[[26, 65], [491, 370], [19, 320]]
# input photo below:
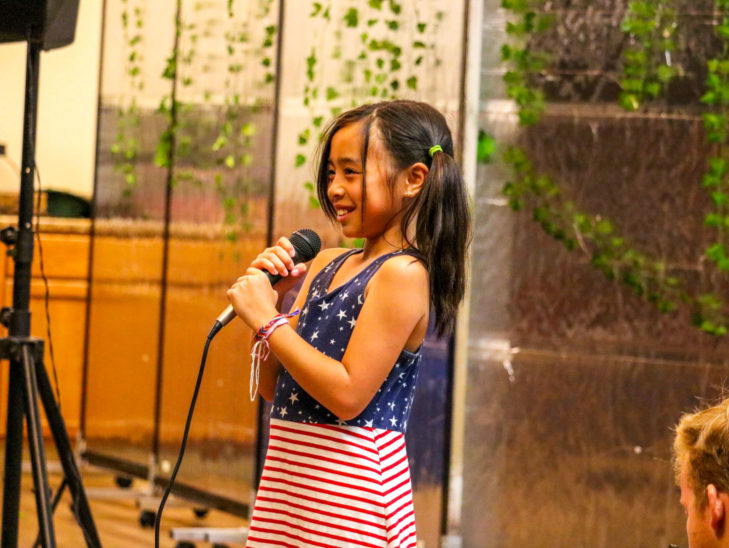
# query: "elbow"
[[266, 392], [348, 408]]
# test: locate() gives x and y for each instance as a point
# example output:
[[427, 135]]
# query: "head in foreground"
[[701, 463], [386, 173]]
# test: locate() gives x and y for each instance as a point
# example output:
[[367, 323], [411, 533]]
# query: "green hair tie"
[[434, 149]]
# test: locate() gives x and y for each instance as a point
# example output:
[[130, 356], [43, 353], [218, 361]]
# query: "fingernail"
[[292, 252], [295, 272]]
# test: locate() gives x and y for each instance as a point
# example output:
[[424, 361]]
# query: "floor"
[[117, 520]]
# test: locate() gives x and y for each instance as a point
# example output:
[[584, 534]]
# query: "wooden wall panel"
[[123, 343]]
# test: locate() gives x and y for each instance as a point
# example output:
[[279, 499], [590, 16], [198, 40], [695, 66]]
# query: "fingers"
[[278, 259], [287, 245]]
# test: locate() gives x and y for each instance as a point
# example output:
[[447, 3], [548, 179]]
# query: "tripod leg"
[[37, 452], [81, 508], [56, 500], [13, 455]]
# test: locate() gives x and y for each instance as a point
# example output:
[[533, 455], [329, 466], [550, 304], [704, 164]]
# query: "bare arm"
[[395, 308], [271, 367]]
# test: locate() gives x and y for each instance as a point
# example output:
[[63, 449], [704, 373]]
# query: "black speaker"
[[50, 22]]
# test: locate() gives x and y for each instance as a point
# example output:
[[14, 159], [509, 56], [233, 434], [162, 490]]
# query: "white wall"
[[67, 108]]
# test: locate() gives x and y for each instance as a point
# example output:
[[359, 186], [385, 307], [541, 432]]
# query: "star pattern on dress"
[[327, 321]]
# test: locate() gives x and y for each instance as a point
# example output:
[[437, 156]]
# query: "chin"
[[349, 233]]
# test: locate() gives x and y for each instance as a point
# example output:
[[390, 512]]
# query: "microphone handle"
[[228, 314]]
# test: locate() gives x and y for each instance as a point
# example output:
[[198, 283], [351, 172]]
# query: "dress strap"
[[375, 265]]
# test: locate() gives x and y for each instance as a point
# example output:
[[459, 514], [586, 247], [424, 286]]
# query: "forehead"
[[348, 141]]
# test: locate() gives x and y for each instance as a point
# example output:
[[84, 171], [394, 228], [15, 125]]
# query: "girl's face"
[[384, 205]]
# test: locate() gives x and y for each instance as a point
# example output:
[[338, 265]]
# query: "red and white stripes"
[[333, 487]]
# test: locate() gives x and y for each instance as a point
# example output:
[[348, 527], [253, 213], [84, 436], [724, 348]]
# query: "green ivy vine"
[[125, 148], [652, 29], [229, 119], [232, 147], [375, 69], [648, 68]]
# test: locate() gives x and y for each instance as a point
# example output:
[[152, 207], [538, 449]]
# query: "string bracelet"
[[261, 349]]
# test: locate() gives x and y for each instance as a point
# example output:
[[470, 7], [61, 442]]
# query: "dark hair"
[[409, 129]]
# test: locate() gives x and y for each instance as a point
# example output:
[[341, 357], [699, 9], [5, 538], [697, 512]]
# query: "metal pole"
[[20, 319]]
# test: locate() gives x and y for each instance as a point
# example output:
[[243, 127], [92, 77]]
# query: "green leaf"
[[412, 82], [351, 18], [219, 143], [713, 219], [716, 252], [164, 148], [300, 160], [332, 93], [486, 147]]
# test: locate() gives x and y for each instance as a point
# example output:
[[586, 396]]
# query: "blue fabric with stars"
[[326, 322]]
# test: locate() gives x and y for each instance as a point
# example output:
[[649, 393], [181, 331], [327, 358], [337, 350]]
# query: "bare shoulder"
[[404, 272], [324, 257]]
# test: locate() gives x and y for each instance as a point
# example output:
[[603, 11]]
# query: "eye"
[[349, 171]]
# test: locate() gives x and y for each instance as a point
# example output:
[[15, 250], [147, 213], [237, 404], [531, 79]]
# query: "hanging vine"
[[232, 146], [648, 62], [125, 148], [648, 68], [388, 43]]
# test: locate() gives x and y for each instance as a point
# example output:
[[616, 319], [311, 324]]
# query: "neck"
[[383, 244]]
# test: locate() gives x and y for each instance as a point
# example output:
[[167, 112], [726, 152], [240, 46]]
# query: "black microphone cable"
[[158, 518], [306, 244]]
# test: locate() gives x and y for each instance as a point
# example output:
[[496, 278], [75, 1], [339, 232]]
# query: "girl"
[[342, 373]]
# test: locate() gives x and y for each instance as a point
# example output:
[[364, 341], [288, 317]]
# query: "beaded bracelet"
[[261, 349]]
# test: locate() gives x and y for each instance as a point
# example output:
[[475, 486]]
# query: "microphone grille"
[[307, 244]]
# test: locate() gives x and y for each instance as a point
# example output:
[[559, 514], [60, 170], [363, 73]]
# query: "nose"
[[335, 188]]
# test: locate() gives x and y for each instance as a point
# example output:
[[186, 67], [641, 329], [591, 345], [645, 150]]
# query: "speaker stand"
[[27, 377]]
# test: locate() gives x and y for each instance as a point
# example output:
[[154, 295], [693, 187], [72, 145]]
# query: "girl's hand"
[[278, 261], [253, 298]]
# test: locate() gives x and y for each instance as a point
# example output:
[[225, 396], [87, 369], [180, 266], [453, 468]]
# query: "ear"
[[717, 507], [416, 175]]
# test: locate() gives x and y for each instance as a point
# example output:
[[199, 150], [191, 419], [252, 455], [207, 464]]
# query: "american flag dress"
[[333, 483]]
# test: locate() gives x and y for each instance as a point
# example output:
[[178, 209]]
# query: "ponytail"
[[442, 234]]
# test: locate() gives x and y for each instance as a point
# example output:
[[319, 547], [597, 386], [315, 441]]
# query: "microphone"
[[306, 244]]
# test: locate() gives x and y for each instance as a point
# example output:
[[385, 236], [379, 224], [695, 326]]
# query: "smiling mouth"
[[342, 212]]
